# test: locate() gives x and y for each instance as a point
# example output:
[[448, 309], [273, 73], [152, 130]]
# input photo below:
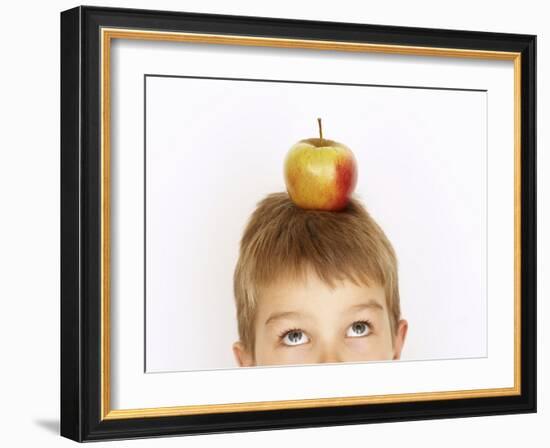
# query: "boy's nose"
[[330, 354]]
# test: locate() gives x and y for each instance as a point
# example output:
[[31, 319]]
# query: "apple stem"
[[320, 128]]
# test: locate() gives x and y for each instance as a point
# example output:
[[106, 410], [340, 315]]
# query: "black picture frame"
[[81, 413]]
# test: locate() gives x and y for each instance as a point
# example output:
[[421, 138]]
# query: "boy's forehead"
[[311, 290]]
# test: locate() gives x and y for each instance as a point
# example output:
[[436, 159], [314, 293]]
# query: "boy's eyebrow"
[[281, 315], [368, 304]]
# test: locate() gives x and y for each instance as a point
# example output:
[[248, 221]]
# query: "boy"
[[315, 286]]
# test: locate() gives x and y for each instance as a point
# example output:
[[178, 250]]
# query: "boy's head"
[[315, 286]]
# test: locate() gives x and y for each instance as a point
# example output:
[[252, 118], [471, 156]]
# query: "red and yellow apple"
[[320, 174]]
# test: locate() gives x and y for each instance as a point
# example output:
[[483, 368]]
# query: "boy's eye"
[[294, 337], [358, 329]]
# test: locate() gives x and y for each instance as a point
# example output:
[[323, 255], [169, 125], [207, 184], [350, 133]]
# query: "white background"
[[29, 178], [216, 147]]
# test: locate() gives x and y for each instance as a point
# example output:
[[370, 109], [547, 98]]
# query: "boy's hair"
[[281, 240]]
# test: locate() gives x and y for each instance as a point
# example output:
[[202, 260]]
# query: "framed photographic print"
[[270, 223]]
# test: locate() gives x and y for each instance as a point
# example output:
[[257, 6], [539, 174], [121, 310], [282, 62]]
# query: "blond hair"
[[281, 240]]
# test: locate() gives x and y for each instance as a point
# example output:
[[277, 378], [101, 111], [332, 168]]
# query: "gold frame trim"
[[107, 34]]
